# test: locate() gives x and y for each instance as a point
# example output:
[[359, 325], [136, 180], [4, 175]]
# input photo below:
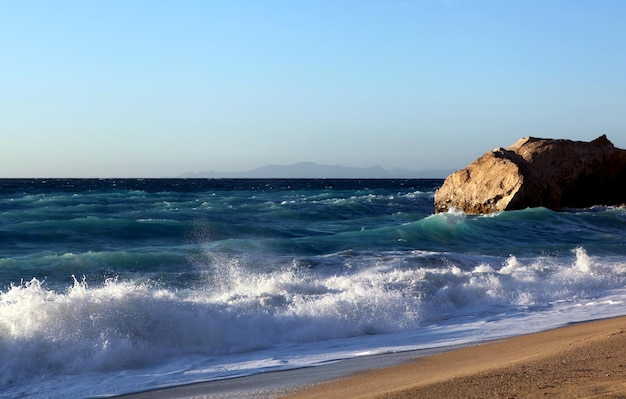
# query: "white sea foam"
[[241, 319]]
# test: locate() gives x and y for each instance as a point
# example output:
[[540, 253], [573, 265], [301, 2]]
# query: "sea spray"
[[195, 280], [128, 325]]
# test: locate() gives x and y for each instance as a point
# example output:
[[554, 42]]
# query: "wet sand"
[[584, 360]]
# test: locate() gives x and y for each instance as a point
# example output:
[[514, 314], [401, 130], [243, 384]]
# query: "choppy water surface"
[[158, 282]]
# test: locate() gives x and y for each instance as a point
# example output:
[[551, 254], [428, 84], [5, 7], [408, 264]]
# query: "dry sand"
[[586, 360]]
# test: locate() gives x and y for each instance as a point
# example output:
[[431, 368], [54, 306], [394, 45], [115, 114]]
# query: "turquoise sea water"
[[150, 283]]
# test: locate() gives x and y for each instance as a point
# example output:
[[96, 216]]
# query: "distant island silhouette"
[[311, 170]]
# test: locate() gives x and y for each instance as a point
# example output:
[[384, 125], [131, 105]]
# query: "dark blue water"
[[107, 276]]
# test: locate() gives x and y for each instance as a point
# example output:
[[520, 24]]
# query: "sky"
[[150, 88]]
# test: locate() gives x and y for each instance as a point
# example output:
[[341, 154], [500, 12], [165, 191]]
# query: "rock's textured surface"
[[538, 172]]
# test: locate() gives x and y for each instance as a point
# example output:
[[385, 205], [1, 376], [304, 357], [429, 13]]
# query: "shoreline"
[[278, 383], [583, 359]]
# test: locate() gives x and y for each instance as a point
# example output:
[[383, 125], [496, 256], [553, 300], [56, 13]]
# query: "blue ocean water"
[[157, 282]]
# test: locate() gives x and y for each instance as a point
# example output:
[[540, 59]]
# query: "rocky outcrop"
[[538, 172]]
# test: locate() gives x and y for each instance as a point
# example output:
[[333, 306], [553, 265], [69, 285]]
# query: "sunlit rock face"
[[537, 172]]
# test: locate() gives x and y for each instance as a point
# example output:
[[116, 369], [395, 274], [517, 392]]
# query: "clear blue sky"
[[156, 88]]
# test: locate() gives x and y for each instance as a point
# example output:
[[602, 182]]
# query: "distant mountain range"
[[311, 170]]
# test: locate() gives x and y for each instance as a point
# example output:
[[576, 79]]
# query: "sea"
[[112, 286]]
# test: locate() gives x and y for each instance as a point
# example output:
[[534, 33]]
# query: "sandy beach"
[[586, 360]]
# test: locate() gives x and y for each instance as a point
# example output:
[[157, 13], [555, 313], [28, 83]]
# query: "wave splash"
[[238, 309]]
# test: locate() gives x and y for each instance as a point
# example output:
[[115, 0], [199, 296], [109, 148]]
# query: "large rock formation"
[[538, 172]]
